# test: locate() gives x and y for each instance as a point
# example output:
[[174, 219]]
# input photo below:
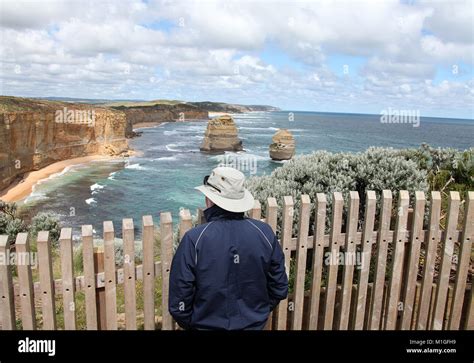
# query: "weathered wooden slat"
[[185, 222], [349, 260], [110, 278], [67, 274], [271, 219], [318, 251], [431, 244], [465, 250], [469, 325], [398, 258], [166, 227], [446, 261], [286, 232], [6, 288], [336, 241], [366, 250], [89, 277], [300, 267], [148, 272], [129, 285], [45, 264], [413, 260], [382, 247], [256, 211], [27, 299], [201, 218]]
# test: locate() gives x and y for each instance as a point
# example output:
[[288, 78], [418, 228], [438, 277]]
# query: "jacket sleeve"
[[182, 283], [277, 280]]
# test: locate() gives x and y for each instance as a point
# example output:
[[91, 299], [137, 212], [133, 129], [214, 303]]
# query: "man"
[[228, 273]]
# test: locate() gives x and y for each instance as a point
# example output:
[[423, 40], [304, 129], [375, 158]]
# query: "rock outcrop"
[[221, 135], [283, 146], [35, 134]]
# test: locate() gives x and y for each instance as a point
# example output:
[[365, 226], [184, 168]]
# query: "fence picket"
[[286, 233], [27, 298], [129, 277], [48, 305], [416, 236], [166, 226], [366, 251], [89, 277], [463, 263], [348, 268], [429, 262], [256, 211], [300, 267], [271, 218], [318, 251], [334, 247], [7, 315], [148, 272], [398, 257], [382, 247], [185, 222], [446, 261], [67, 273], [109, 275]]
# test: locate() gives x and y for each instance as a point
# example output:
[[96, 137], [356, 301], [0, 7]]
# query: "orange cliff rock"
[[33, 137], [283, 146], [221, 135]]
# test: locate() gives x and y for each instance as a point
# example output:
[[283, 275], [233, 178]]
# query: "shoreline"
[[23, 188]]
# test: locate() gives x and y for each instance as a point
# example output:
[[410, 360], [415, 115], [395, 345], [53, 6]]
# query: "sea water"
[[170, 164]]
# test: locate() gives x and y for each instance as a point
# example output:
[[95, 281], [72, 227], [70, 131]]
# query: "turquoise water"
[[163, 177]]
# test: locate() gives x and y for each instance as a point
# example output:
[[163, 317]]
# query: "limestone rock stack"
[[221, 135], [283, 146]]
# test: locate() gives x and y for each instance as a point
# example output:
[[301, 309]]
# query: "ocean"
[[170, 165]]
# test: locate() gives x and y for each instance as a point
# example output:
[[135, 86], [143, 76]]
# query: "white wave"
[[112, 176], [171, 132], [95, 188], [259, 128], [91, 201], [174, 157], [135, 167]]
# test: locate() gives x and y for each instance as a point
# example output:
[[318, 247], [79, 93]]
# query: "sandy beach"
[[22, 189]]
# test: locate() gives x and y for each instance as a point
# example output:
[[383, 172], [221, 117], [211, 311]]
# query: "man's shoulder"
[[264, 227], [194, 233]]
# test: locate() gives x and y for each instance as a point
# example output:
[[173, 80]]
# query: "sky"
[[327, 56]]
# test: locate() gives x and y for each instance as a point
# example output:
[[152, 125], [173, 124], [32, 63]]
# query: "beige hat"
[[225, 187]]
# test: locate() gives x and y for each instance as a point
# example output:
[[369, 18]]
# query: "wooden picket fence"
[[340, 296]]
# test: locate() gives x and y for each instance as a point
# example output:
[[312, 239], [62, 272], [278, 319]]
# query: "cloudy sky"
[[334, 56]]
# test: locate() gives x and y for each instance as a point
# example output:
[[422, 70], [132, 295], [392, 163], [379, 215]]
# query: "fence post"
[[100, 291], [429, 262], [166, 227], [6, 289], [46, 281], [25, 279], [446, 261]]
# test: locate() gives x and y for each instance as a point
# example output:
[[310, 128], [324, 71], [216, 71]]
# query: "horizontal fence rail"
[[396, 267]]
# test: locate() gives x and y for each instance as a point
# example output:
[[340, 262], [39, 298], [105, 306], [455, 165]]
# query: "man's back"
[[227, 274]]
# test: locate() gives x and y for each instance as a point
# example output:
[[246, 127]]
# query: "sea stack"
[[221, 135], [283, 146]]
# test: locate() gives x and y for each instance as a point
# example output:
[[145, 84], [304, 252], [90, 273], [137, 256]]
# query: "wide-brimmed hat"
[[225, 187]]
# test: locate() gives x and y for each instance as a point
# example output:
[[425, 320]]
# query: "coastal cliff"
[[159, 113], [35, 134]]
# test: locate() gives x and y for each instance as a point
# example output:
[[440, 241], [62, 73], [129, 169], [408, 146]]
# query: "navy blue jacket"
[[228, 273]]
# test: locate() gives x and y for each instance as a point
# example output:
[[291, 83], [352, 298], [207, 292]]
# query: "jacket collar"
[[215, 212]]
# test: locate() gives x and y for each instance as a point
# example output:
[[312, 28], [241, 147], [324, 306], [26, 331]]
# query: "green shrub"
[[323, 172], [46, 221]]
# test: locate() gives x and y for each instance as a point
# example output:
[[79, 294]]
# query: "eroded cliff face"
[[161, 113], [283, 145], [31, 140]]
